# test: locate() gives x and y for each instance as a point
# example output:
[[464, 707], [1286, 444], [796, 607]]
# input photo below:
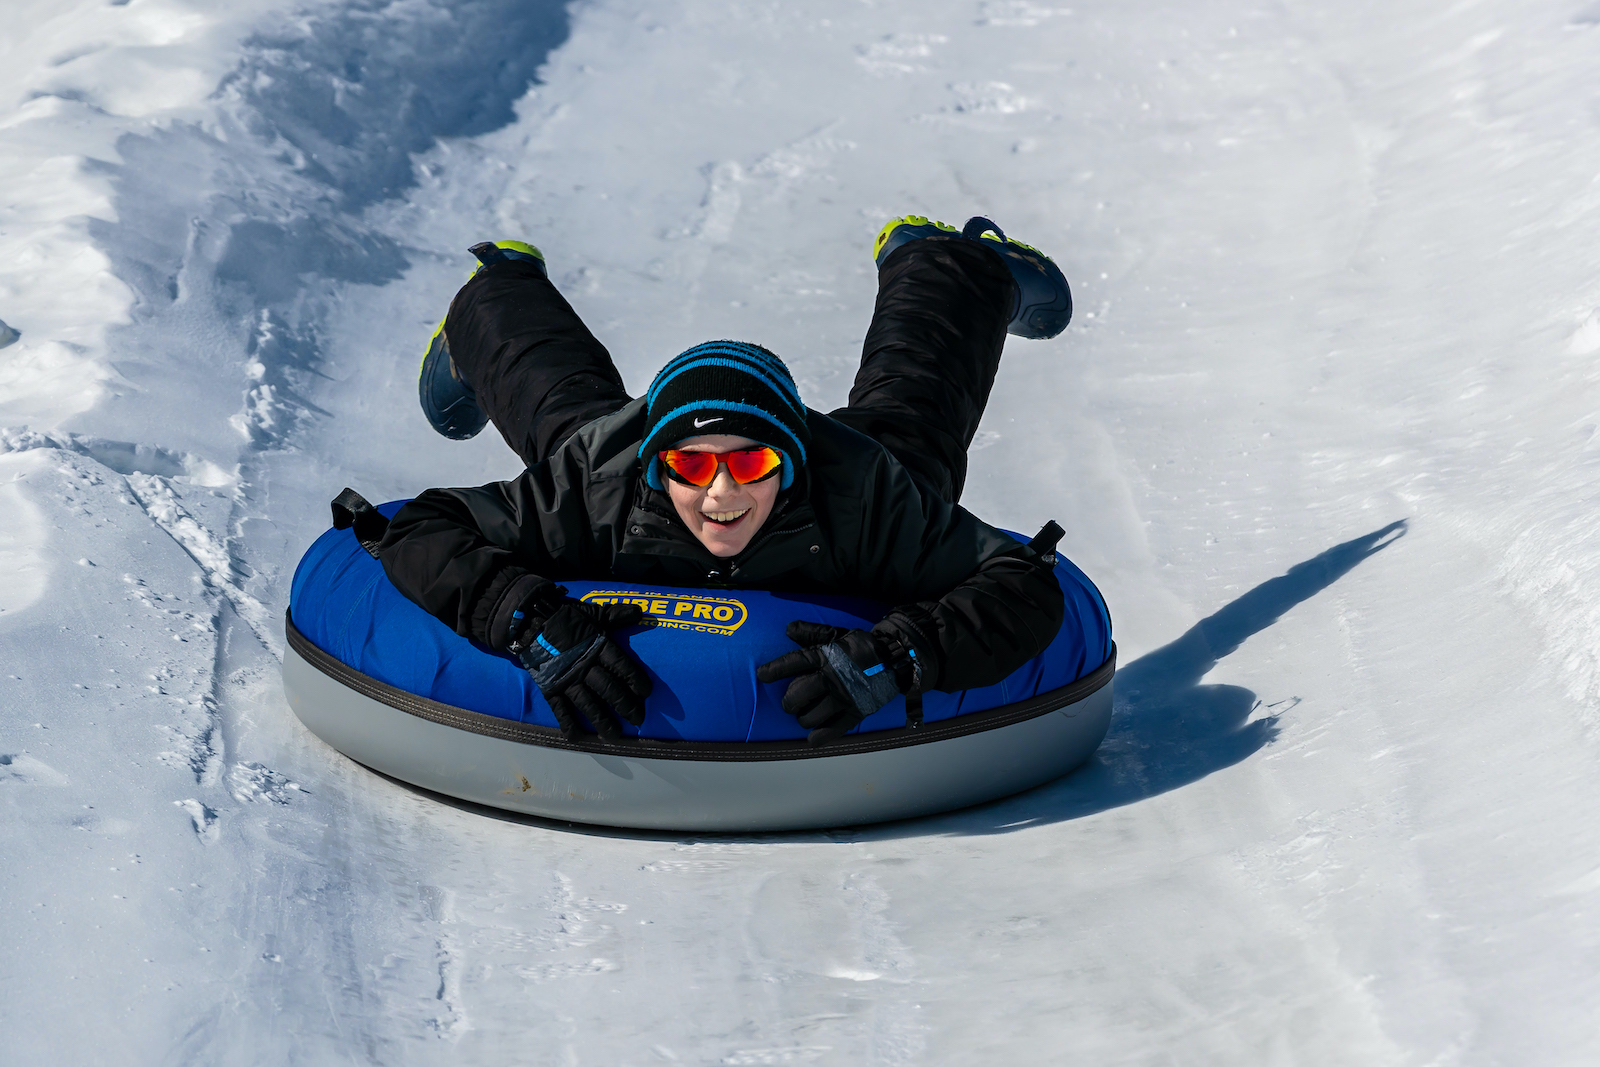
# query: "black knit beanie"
[[725, 387]]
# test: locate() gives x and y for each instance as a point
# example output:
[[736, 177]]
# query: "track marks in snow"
[[580, 923], [152, 477], [223, 571], [450, 1021], [94, 494], [123, 457], [197, 743], [132, 651]]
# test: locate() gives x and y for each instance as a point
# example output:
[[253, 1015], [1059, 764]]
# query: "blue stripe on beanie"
[[668, 375], [735, 349], [777, 378], [748, 386], [719, 353]]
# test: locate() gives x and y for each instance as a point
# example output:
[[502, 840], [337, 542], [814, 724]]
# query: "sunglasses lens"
[[696, 468], [700, 468], [752, 466]]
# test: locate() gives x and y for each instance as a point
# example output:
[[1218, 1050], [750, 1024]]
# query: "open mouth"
[[724, 520]]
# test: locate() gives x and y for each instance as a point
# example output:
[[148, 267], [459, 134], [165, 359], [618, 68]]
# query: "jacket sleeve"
[[436, 553], [974, 602], [996, 620], [470, 557]]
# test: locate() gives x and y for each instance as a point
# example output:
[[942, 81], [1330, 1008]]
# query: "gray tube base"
[[738, 788]]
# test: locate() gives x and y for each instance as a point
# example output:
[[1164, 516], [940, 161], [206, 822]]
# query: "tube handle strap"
[[1044, 542], [914, 698], [351, 511]]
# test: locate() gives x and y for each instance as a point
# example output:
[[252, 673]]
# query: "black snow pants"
[[927, 366]]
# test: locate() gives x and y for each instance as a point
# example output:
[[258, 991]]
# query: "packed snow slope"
[[1326, 431]]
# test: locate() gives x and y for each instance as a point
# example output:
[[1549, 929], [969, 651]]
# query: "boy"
[[721, 476]]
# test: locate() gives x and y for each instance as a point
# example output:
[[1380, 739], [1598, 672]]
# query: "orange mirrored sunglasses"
[[699, 469]]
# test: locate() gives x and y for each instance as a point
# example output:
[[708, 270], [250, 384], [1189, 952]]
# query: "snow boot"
[[1043, 304], [447, 401]]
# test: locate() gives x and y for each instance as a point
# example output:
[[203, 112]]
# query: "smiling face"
[[725, 515]]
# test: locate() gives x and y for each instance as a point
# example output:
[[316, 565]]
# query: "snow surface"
[[1326, 431]]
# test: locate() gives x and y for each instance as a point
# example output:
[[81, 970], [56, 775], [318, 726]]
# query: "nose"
[[722, 484]]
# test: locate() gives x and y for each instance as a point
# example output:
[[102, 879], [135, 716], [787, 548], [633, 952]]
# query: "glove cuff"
[[554, 670], [905, 638], [525, 599], [869, 688]]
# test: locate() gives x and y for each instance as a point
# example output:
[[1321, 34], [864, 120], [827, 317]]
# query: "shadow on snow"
[[1168, 730]]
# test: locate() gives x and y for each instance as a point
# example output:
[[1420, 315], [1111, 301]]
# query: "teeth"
[[724, 516]]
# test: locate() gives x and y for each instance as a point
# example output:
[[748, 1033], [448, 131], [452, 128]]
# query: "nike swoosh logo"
[[708, 422]]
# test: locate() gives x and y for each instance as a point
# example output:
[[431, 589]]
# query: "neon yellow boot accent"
[[514, 246], [905, 220], [434, 340], [520, 246], [990, 235]]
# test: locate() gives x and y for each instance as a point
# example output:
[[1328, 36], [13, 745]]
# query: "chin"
[[725, 549]]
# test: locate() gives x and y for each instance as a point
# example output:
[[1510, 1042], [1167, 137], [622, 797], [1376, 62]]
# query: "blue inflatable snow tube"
[[702, 653], [388, 685]]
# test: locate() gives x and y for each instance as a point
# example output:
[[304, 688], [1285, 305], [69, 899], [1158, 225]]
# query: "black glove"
[[844, 676], [575, 664]]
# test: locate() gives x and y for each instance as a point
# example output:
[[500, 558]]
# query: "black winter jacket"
[[975, 603]]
